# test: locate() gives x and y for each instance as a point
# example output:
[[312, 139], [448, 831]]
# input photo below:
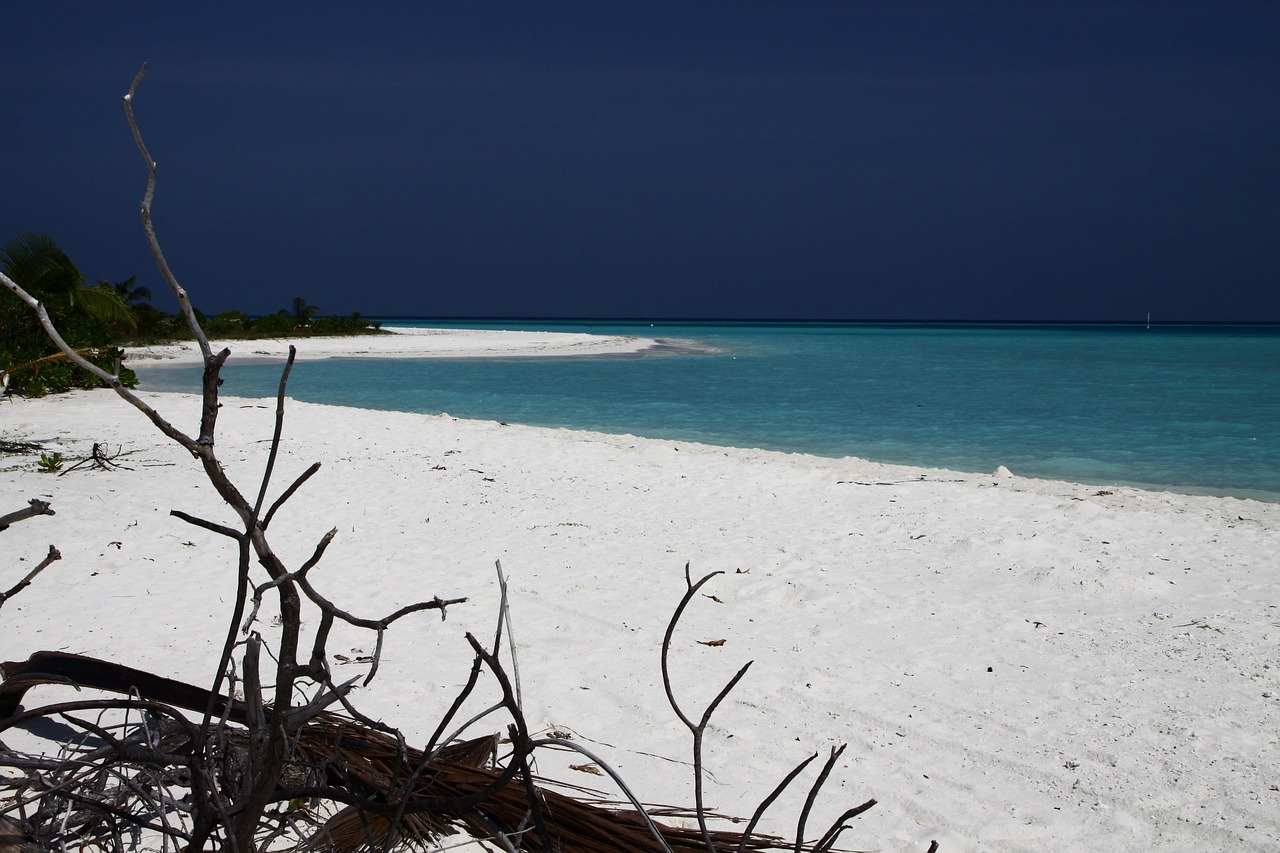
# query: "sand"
[[413, 342], [1014, 664]]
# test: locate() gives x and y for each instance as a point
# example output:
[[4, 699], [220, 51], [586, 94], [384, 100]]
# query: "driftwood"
[[84, 671], [177, 764], [48, 560], [9, 446], [100, 459], [14, 840], [34, 508], [460, 787]]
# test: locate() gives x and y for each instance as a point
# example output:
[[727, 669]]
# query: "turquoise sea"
[[1186, 407]]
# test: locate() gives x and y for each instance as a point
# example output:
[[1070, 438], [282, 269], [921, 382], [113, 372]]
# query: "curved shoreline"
[[413, 342], [458, 345]]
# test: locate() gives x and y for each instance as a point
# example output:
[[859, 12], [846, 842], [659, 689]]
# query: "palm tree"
[[130, 293], [87, 318], [40, 267], [302, 312]]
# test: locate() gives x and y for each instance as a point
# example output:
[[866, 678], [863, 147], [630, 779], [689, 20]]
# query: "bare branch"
[[467, 688], [839, 826], [691, 590], [275, 436], [226, 664], [323, 699], [49, 559], [328, 606], [504, 616], [36, 507], [813, 795], [288, 493], [207, 525], [149, 230], [769, 800], [615, 776], [519, 734], [698, 730]]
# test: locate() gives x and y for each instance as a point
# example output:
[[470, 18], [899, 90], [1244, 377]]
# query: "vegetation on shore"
[[100, 320]]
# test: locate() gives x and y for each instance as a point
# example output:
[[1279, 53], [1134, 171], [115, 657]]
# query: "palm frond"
[[105, 304], [128, 290], [40, 266], [370, 764]]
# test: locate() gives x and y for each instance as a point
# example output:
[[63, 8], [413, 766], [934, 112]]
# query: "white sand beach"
[[1015, 664], [413, 342]]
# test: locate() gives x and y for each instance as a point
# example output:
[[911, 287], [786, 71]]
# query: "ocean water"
[[1188, 408]]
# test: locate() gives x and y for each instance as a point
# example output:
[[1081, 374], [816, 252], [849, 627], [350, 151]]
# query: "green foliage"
[[158, 327], [129, 291], [36, 262], [105, 305], [285, 324], [274, 325], [96, 320], [31, 371], [30, 364], [43, 269], [228, 324], [301, 311], [353, 325], [49, 463], [154, 324]]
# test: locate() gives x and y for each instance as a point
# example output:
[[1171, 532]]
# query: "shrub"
[[32, 366], [353, 325], [273, 324], [228, 323]]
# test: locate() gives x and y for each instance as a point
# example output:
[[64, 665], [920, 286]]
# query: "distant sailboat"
[[1148, 321]]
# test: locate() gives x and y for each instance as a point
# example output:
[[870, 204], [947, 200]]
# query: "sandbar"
[[414, 342]]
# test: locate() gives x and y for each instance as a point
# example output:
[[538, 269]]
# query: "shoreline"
[[1014, 663], [413, 342], [462, 345]]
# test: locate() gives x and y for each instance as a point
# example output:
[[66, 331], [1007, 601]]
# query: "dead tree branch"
[[149, 230], [49, 559], [275, 438], [277, 768], [35, 507], [233, 812], [699, 728], [100, 458], [8, 446]]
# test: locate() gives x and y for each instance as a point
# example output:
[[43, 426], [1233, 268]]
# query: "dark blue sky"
[[1016, 160]]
